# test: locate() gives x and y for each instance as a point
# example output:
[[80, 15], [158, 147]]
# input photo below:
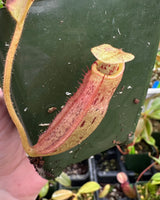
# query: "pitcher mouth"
[[109, 70]]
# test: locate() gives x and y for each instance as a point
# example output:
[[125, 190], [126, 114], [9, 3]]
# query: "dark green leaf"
[[55, 49]]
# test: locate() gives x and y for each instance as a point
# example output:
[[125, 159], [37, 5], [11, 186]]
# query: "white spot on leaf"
[[148, 43], [119, 31], [25, 109], [129, 87], [44, 124], [68, 93], [6, 44]]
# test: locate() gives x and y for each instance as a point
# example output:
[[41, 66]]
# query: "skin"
[[18, 178]]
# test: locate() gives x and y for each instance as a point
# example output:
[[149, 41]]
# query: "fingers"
[[1, 94], [9, 141]]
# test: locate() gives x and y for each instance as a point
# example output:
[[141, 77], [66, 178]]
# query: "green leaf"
[[64, 179], [155, 115], [89, 187], [44, 190], [138, 139], [62, 194], [1, 4], [105, 191], [148, 126], [131, 149], [146, 132], [156, 104], [155, 179], [40, 52], [156, 159], [155, 182], [139, 129], [151, 141], [154, 110], [147, 138]]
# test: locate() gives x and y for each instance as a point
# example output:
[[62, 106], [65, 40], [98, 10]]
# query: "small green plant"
[[85, 192], [150, 190], [62, 179], [45, 189], [144, 127]]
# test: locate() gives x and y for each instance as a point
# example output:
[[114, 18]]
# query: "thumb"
[[10, 144]]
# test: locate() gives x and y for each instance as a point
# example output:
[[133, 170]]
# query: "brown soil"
[[77, 169], [116, 193], [156, 125]]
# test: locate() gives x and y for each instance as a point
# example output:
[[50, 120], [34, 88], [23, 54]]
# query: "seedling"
[[85, 192], [144, 127], [150, 190]]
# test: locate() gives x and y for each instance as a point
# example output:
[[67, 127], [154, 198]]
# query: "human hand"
[[18, 178]]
